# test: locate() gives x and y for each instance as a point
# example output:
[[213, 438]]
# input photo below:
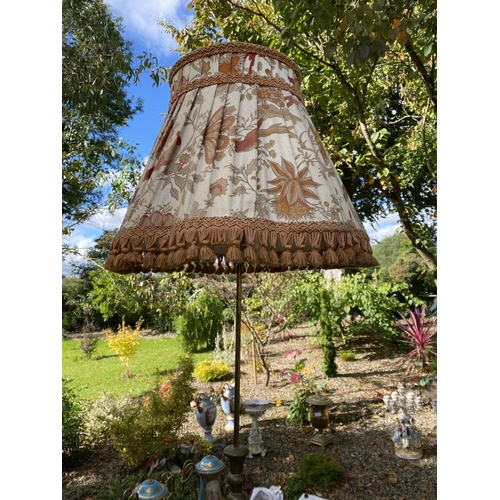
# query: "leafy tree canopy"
[[369, 72], [97, 68], [400, 263]]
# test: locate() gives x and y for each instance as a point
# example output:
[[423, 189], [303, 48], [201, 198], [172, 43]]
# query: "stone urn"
[[206, 412], [227, 404]]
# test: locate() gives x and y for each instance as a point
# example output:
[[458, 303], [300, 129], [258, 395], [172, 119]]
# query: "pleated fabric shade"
[[238, 175]]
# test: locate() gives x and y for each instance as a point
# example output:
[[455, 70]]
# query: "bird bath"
[[255, 407]]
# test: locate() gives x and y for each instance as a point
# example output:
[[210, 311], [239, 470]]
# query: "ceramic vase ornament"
[[149, 489], [407, 439], [206, 413], [227, 404], [209, 469]]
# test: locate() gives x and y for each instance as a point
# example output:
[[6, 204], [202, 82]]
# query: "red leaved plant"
[[419, 334]]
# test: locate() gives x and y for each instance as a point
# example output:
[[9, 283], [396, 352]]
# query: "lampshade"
[[238, 174]]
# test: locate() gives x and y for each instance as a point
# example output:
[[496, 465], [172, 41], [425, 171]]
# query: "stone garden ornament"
[[238, 181]]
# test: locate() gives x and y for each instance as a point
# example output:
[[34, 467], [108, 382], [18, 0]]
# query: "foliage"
[[304, 385], [419, 333], [125, 343], [400, 263], [347, 356], [78, 310], [369, 73], [141, 431], [201, 321], [125, 295], [97, 67], [177, 452], [305, 297], [357, 305], [327, 332], [208, 370], [73, 428], [88, 344], [105, 298], [99, 413], [318, 469]]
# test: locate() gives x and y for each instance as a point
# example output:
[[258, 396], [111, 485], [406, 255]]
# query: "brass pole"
[[237, 357], [235, 453]]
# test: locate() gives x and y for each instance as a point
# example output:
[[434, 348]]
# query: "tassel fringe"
[[217, 245]]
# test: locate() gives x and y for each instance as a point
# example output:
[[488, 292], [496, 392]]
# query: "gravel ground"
[[360, 425]]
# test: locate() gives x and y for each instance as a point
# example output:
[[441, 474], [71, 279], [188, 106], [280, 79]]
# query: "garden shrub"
[[317, 469], [143, 427], [98, 415], [357, 305], [211, 370], [125, 343], [201, 322], [73, 428], [347, 356], [88, 344]]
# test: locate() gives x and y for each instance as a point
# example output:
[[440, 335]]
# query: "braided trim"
[[222, 48], [265, 81]]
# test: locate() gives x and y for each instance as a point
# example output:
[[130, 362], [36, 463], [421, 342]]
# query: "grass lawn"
[[104, 373]]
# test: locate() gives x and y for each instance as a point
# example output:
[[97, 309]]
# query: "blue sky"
[[142, 29]]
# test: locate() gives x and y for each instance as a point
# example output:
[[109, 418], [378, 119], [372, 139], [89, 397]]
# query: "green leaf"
[[364, 52], [330, 50]]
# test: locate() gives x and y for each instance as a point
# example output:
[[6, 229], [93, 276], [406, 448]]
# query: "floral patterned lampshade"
[[238, 174]]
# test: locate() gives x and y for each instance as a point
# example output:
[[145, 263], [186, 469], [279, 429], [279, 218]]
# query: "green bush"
[[347, 356], [211, 370], [88, 344], [318, 469], [201, 322], [98, 415], [143, 427], [74, 448]]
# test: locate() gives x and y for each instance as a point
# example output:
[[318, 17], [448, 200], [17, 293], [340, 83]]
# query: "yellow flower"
[[306, 372], [313, 367], [278, 402]]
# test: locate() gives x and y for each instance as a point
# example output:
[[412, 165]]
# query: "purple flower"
[[294, 378], [293, 353]]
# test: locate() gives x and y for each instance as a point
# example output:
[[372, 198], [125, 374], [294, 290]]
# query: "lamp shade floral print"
[[238, 174]]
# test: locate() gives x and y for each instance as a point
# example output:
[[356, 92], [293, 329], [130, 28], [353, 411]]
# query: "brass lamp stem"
[[237, 357]]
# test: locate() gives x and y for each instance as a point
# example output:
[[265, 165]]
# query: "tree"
[[97, 68], [400, 263], [369, 74]]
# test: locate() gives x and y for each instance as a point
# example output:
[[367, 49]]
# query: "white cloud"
[[383, 228], [84, 235], [140, 20]]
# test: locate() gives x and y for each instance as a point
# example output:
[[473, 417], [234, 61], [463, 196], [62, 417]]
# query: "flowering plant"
[[304, 385], [177, 452]]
